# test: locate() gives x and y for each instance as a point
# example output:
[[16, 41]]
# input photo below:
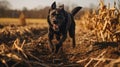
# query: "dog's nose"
[[55, 22]]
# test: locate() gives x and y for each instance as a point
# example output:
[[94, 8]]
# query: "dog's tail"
[[75, 10]]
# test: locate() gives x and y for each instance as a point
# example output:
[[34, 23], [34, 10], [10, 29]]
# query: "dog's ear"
[[53, 6]]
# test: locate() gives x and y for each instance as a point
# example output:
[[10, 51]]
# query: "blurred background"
[[39, 8]]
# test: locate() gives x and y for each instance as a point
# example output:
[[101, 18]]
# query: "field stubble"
[[28, 46], [97, 42]]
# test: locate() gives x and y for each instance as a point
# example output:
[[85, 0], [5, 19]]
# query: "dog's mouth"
[[55, 27]]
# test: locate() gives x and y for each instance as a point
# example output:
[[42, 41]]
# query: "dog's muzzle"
[[55, 27]]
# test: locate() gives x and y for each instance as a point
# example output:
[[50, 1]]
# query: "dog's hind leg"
[[72, 34], [73, 40]]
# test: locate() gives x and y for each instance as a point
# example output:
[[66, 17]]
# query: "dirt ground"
[[89, 52]]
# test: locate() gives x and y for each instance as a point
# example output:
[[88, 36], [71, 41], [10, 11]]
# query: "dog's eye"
[[53, 14]]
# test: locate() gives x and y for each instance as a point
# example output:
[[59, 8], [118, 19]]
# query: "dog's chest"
[[56, 33]]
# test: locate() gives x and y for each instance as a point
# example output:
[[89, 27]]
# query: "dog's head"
[[56, 16]]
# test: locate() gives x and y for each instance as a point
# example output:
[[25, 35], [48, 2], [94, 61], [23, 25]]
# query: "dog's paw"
[[51, 50]]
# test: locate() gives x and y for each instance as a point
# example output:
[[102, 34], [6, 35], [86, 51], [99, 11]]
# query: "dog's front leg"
[[60, 43], [50, 38]]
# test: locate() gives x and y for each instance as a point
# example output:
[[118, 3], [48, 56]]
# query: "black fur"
[[75, 10], [60, 22]]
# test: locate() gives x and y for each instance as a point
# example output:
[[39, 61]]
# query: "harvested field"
[[28, 46], [97, 42]]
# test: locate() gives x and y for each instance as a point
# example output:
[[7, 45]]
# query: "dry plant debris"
[[105, 21]]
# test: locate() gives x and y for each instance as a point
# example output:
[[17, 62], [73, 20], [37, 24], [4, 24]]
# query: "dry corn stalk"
[[104, 21], [114, 63], [22, 19], [19, 47]]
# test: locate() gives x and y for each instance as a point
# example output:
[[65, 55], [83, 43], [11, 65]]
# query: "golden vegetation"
[[14, 47], [19, 53], [16, 21], [105, 22], [22, 19]]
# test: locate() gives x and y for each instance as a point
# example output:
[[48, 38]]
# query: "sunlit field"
[[17, 21]]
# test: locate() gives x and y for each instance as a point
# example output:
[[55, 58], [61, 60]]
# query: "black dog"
[[60, 22]]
